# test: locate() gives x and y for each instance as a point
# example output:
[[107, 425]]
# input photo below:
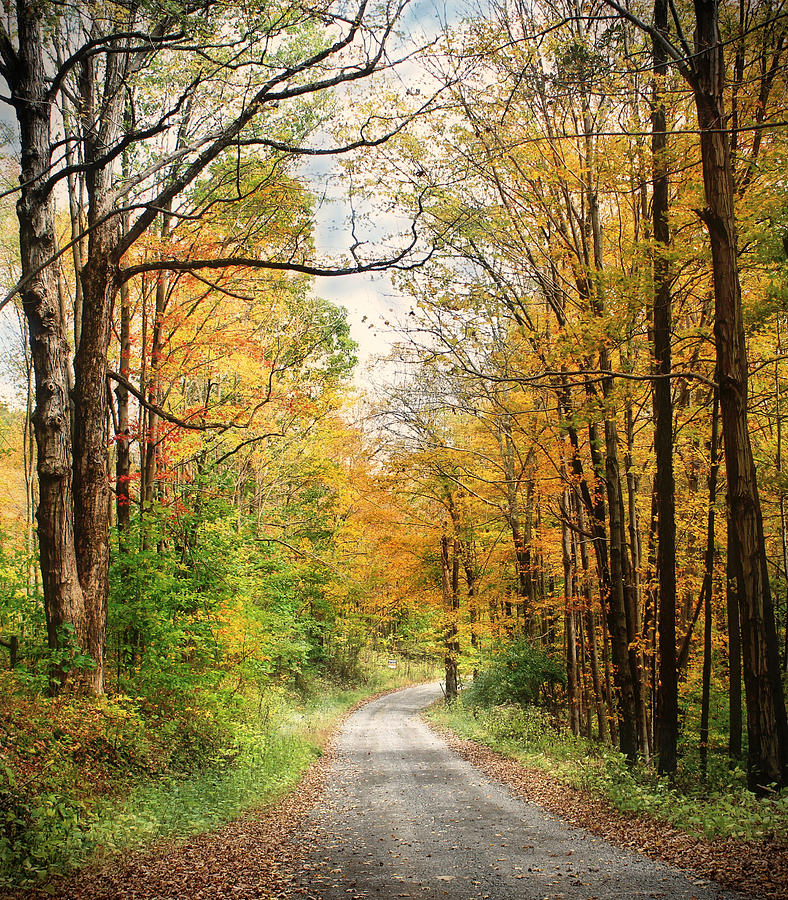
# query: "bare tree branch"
[[264, 95], [682, 61]]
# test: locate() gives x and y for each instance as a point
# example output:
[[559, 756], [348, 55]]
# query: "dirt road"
[[402, 816]]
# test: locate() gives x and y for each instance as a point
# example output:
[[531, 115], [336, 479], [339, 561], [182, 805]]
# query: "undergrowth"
[[719, 806], [82, 779]]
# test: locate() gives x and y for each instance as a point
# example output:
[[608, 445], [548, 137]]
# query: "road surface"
[[403, 816]]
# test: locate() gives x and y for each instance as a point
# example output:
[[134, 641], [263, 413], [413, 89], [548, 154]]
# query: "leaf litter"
[[261, 855]]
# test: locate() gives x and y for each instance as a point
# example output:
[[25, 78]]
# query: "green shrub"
[[517, 673], [81, 777]]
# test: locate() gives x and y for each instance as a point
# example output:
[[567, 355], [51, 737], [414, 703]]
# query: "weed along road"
[[403, 816]]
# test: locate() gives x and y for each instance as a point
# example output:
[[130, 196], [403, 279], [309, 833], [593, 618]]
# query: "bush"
[[518, 673]]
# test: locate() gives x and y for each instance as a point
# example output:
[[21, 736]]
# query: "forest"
[[560, 487]]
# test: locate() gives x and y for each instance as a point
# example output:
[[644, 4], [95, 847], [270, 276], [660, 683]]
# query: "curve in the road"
[[403, 816]]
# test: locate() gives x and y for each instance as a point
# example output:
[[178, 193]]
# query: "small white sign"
[[392, 663]]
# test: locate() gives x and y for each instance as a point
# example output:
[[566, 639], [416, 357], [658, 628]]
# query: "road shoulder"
[[759, 868]]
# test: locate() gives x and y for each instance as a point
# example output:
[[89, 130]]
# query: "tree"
[[767, 724], [255, 84], [65, 604], [666, 737]]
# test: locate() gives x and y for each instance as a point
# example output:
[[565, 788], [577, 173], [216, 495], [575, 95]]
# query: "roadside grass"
[[718, 806], [78, 780]]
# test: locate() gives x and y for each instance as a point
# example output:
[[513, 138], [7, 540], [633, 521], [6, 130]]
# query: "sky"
[[373, 305], [373, 302]]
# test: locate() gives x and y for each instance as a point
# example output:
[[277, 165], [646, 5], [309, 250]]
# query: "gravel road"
[[403, 816]]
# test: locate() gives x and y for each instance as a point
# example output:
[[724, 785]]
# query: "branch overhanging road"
[[403, 816]]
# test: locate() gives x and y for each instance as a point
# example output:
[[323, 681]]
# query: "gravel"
[[403, 816]]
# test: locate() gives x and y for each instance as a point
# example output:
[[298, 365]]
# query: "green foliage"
[[43, 664], [518, 672], [21, 603], [58, 756], [343, 651], [268, 755]]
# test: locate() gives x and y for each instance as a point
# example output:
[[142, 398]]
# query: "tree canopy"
[[572, 454]]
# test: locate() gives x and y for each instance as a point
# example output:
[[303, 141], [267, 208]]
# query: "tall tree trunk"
[[767, 725], [466, 555], [75, 204], [450, 588], [637, 645], [469, 566], [599, 698], [103, 95], [735, 721], [91, 460], [590, 628], [64, 603], [522, 550], [620, 622], [708, 584], [28, 460], [101, 107], [783, 523], [708, 564], [123, 437], [665, 490], [154, 391], [611, 704], [706, 683], [150, 452], [650, 615], [570, 597], [526, 564], [611, 587]]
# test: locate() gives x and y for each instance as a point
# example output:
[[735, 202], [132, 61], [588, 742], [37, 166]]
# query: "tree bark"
[[590, 627], [63, 598], [617, 601], [706, 684], [522, 550], [735, 723], [102, 110], [666, 738], [570, 596], [779, 429], [767, 726], [708, 582], [450, 588], [91, 460], [154, 390], [123, 436]]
